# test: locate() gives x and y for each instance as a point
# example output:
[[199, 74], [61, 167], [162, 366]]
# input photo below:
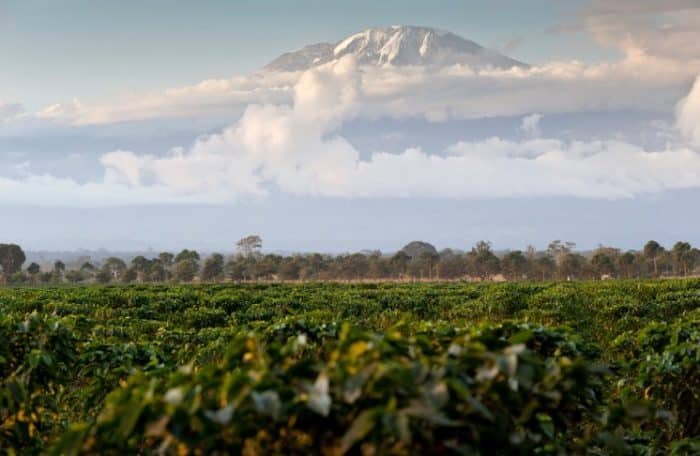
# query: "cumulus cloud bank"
[[689, 115], [438, 94], [294, 148], [10, 111]]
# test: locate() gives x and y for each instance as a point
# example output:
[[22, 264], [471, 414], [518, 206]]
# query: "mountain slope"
[[398, 46]]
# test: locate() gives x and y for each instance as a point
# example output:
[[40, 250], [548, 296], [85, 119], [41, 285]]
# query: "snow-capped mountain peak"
[[397, 46]]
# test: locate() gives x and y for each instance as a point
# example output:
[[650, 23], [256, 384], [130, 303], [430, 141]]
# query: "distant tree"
[[88, 267], [572, 266], [604, 262], [59, 266], [352, 267], [249, 245], [427, 264], [46, 277], [103, 276], [186, 270], [558, 250], [128, 275], [627, 263], [451, 266], [264, 267], [235, 269], [140, 265], [114, 267], [156, 271], [682, 256], [416, 248], [75, 276], [545, 267], [166, 259], [652, 252], [187, 255], [213, 269], [18, 278], [12, 258], [34, 270], [514, 265], [290, 268], [313, 266], [378, 265], [59, 269], [530, 253], [482, 262], [399, 262], [693, 260]]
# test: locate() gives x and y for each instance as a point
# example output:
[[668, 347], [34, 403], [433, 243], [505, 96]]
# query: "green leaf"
[[359, 428]]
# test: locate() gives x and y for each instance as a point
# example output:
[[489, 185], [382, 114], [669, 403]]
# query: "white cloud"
[[9, 111], [530, 125], [209, 98], [689, 115], [435, 94], [293, 149]]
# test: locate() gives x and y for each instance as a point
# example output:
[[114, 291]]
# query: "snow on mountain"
[[398, 46]]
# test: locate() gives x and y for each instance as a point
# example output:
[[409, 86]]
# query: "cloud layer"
[[9, 111], [453, 92], [294, 149], [689, 115]]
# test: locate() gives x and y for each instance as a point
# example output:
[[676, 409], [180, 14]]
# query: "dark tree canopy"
[[11, 260], [416, 248]]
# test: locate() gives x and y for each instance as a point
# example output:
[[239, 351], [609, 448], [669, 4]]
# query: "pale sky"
[[148, 124]]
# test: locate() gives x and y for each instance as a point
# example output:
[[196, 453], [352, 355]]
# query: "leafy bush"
[[409, 346], [664, 367], [35, 358], [506, 389]]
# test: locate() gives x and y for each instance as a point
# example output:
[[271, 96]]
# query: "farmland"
[[409, 368]]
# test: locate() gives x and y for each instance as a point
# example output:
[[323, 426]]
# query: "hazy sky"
[[148, 124]]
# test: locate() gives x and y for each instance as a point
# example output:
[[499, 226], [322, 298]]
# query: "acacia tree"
[[559, 250], [652, 252], [12, 258], [249, 245]]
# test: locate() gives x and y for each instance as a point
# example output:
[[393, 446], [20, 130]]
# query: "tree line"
[[416, 261]]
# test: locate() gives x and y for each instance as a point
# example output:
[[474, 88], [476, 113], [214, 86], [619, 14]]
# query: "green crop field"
[[443, 368]]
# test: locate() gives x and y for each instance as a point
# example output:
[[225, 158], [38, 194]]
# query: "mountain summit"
[[398, 46]]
